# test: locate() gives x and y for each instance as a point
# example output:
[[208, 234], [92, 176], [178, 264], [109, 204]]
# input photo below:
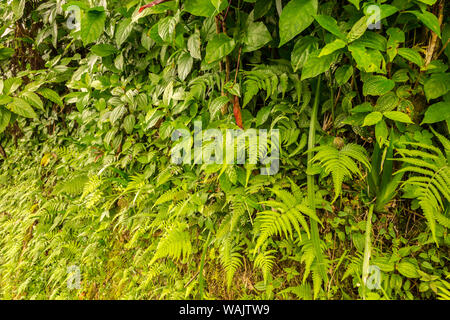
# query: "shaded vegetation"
[[92, 91]]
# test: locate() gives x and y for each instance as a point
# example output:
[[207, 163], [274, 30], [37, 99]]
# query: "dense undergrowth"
[[92, 91]]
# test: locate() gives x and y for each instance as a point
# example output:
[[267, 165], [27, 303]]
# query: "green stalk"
[[367, 249], [201, 280], [310, 180]]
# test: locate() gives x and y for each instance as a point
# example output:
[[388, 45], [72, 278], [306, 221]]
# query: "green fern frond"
[[302, 291], [91, 186], [171, 195], [265, 261], [341, 163], [175, 244], [317, 281], [430, 173], [231, 259], [73, 186], [285, 217]]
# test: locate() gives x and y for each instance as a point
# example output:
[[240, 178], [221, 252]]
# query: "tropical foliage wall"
[[92, 207]]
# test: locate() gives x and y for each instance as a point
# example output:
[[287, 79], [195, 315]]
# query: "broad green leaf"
[[396, 36], [401, 75], [203, 8], [5, 116], [302, 49], [146, 41], [387, 10], [332, 47], [397, 116], [316, 65], [152, 117], [168, 93], [358, 29], [387, 102], [216, 105], [263, 115], [165, 129], [18, 7], [193, 45], [103, 50], [5, 99], [377, 86], [368, 60], [128, 123], [233, 88], [33, 99], [355, 3], [362, 108], [154, 35], [372, 118], [51, 95], [218, 47], [437, 112], [166, 28], [256, 36], [185, 62], [21, 107], [117, 113], [330, 24], [343, 74], [372, 40], [261, 8], [428, 2], [296, 16], [123, 30], [408, 270], [411, 55], [92, 25], [437, 85], [10, 85], [381, 132], [217, 3], [429, 20]]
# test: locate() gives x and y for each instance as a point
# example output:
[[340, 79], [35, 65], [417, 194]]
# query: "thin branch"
[[2, 152], [151, 4], [433, 39], [237, 65]]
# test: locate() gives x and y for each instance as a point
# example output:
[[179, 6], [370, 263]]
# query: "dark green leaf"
[[296, 16]]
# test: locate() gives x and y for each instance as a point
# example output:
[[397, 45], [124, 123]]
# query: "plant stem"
[[433, 39], [310, 182], [367, 249], [2, 152], [202, 264]]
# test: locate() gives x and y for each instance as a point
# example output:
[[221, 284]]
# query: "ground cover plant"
[[94, 95]]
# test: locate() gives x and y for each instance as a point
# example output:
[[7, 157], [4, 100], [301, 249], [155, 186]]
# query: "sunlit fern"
[[285, 217], [230, 258], [443, 288], [175, 243], [265, 261], [308, 257], [341, 163], [430, 174]]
